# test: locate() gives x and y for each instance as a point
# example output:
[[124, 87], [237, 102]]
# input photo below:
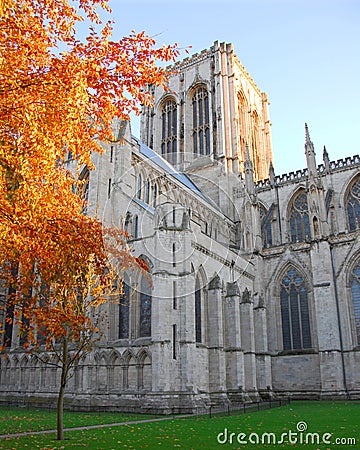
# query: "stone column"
[[232, 345], [327, 327], [217, 370], [161, 332], [248, 343], [263, 361]]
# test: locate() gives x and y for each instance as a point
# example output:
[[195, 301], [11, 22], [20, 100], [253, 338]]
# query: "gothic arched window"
[[353, 206], [255, 143], [198, 321], [243, 114], [201, 122], [128, 223], [155, 191], [299, 218], [294, 311], [355, 293], [145, 308], [139, 186], [147, 192], [124, 305], [83, 188], [169, 130], [136, 227]]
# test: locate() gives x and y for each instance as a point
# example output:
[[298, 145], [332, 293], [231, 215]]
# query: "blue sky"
[[305, 54]]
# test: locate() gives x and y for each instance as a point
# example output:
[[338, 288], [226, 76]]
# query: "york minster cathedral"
[[255, 277]]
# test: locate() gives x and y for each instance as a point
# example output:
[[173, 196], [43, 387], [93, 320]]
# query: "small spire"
[[326, 159], [249, 173], [272, 174], [247, 162], [247, 153], [310, 153], [325, 154], [307, 136]]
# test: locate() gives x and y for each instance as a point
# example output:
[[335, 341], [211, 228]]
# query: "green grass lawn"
[[18, 420], [340, 419]]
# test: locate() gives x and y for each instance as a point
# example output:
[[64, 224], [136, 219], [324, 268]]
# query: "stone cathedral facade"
[[255, 276]]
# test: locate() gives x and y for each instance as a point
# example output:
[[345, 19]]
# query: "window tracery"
[[295, 316], [353, 206], [169, 131], [83, 188], [124, 305], [201, 122], [243, 114], [299, 218], [145, 308]]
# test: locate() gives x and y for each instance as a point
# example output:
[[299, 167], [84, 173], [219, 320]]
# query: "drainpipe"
[[338, 320]]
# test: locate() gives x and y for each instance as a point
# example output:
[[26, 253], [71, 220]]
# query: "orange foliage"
[[60, 95]]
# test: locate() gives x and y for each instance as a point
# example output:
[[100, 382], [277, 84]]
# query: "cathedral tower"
[[212, 109]]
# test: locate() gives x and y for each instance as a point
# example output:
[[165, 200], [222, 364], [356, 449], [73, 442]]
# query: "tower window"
[[201, 122], [169, 131]]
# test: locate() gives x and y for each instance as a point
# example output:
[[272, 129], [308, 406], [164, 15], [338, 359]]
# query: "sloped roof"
[[165, 165]]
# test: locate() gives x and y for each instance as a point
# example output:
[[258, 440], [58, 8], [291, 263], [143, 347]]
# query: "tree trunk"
[[60, 401], [60, 408]]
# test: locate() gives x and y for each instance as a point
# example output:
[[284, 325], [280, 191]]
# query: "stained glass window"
[[145, 308], [299, 219], [294, 312], [353, 206], [124, 305], [201, 122], [169, 131], [198, 337], [355, 292]]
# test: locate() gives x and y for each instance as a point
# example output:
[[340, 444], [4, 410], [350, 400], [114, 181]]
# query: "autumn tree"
[[59, 94]]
